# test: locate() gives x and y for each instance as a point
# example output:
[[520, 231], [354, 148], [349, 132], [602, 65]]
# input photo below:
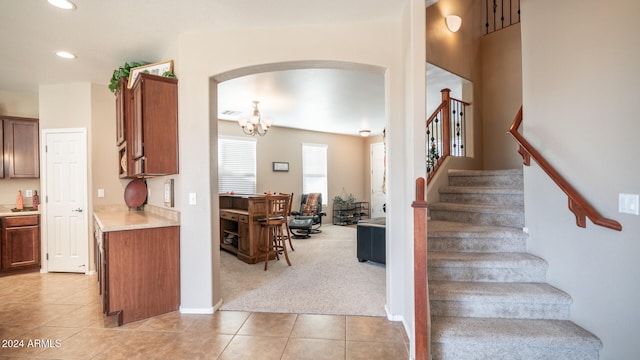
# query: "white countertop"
[[120, 218]]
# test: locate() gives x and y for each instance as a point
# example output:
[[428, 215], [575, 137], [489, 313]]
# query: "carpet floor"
[[325, 277]]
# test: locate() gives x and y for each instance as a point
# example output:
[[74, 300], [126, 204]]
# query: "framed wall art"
[[158, 68], [280, 166]]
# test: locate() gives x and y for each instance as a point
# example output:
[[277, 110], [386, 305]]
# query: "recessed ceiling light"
[[63, 4], [65, 55]]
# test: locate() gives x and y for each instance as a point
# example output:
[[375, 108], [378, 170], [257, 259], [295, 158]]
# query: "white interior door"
[[66, 221], [378, 191]]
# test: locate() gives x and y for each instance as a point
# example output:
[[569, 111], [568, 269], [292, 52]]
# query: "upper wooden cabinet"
[[21, 147], [150, 126], [122, 108]]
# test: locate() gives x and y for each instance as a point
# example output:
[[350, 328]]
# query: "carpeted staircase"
[[489, 299]]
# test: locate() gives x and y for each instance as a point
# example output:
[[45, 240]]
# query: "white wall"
[[580, 93]]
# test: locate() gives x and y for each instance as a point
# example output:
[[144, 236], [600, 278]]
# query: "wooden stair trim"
[[578, 205]]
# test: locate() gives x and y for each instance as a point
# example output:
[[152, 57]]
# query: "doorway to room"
[[286, 149]]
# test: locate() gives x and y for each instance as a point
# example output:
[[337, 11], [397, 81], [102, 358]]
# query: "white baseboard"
[[210, 310]]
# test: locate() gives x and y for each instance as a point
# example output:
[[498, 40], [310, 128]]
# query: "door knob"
[[77, 210]]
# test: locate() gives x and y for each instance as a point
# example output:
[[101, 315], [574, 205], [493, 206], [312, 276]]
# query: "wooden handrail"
[[421, 288], [578, 205]]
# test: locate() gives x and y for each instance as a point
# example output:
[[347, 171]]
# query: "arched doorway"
[[217, 107]]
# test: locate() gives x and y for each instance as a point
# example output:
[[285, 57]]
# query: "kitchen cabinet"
[[154, 125], [147, 126], [123, 113], [20, 148], [20, 244], [138, 271]]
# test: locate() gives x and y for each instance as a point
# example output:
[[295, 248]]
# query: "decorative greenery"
[[122, 71], [433, 157], [340, 201]]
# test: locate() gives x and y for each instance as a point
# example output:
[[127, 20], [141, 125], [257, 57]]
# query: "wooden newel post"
[[446, 122], [421, 290]]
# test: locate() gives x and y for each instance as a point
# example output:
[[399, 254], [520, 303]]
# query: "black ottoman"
[[301, 228], [371, 240]]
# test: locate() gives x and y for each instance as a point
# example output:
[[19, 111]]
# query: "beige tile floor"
[[58, 316]]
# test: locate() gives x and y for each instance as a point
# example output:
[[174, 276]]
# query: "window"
[[314, 169], [237, 165]]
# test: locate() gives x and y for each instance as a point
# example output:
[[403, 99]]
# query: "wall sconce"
[[454, 22]]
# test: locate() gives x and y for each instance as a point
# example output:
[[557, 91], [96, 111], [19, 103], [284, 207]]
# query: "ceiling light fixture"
[[255, 125], [365, 133], [63, 4], [65, 54], [454, 22]]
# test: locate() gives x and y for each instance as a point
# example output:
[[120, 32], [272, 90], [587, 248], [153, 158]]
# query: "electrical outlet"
[[628, 204], [28, 193]]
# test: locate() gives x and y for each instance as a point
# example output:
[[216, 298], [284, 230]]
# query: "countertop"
[[121, 218], [5, 210]]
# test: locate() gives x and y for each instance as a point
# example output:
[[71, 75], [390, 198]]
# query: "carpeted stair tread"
[[443, 228], [459, 236], [499, 172], [496, 292], [514, 332], [481, 190], [482, 214], [507, 178], [478, 208], [487, 260], [489, 195]]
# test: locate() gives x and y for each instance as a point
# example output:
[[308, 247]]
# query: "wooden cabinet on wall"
[[147, 126], [20, 244], [20, 148], [123, 113]]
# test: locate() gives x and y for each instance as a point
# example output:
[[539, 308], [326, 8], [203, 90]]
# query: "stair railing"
[[578, 205], [500, 15], [446, 132], [420, 286]]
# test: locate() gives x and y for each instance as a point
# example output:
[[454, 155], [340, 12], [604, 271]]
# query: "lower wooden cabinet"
[[20, 245], [139, 272]]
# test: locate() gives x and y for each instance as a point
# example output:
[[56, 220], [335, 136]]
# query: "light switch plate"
[[192, 199], [629, 204], [100, 193]]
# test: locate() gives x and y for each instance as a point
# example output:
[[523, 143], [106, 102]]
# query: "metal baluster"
[[486, 25], [502, 14], [495, 6]]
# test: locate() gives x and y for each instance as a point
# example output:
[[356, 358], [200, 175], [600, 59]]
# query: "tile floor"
[[58, 316]]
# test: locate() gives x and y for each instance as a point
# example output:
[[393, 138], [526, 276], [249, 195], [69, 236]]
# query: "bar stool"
[[271, 227], [287, 220]]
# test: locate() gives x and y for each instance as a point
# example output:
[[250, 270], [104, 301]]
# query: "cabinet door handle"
[[77, 210]]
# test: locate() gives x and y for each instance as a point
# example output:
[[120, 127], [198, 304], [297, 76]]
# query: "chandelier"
[[255, 125]]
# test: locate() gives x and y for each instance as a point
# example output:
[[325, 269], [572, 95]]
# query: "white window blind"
[[314, 169], [237, 165]]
